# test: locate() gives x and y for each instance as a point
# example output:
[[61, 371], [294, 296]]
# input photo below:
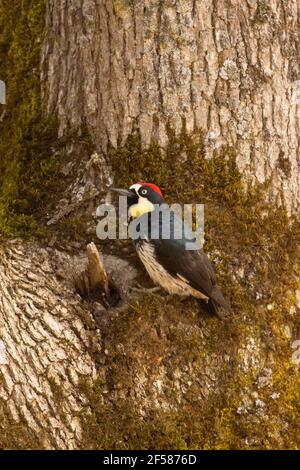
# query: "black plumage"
[[162, 240], [171, 253]]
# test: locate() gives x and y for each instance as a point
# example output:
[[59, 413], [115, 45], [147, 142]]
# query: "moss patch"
[[29, 159], [15, 436], [238, 222], [174, 378], [207, 382]]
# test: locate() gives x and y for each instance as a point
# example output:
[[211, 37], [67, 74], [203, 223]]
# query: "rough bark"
[[44, 345], [48, 340], [230, 67]]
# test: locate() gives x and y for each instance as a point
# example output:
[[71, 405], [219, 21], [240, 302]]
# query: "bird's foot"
[[210, 308]]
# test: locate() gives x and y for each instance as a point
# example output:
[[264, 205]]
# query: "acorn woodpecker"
[[166, 259]]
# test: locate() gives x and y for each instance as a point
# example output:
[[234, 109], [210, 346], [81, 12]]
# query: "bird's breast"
[[160, 276]]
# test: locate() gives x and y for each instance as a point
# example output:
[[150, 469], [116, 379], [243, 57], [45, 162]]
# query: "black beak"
[[124, 192]]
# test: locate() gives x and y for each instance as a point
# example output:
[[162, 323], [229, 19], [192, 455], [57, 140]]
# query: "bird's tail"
[[216, 304]]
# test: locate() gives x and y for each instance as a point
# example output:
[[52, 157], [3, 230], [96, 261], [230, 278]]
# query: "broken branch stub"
[[93, 279], [97, 274]]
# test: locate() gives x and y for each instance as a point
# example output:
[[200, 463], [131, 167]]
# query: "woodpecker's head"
[[141, 198]]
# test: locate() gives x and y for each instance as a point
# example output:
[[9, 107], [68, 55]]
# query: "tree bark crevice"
[[223, 67], [43, 335]]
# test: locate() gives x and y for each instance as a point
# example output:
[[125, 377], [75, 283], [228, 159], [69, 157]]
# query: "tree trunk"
[[231, 68], [149, 371], [44, 346]]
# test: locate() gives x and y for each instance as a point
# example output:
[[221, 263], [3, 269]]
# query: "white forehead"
[[136, 187]]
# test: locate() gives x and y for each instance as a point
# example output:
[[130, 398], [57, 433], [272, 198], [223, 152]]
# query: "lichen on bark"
[[128, 82], [178, 378], [230, 68], [29, 148]]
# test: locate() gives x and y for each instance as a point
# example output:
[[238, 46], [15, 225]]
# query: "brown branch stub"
[[98, 277], [91, 280]]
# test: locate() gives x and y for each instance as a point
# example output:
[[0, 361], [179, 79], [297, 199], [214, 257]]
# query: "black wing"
[[193, 265]]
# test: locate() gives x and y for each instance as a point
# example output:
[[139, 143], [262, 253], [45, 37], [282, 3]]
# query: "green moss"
[[243, 234], [28, 147], [121, 427], [181, 170], [237, 216], [203, 420], [118, 7], [15, 436], [56, 389], [73, 228]]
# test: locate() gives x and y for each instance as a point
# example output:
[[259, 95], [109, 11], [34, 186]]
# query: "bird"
[[169, 264]]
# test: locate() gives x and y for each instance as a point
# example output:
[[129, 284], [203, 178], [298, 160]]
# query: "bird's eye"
[[144, 191]]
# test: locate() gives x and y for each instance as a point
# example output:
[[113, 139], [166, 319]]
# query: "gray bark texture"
[[48, 339], [44, 346], [229, 67]]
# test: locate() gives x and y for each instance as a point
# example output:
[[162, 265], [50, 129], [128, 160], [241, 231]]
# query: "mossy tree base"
[[164, 374], [171, 376]]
